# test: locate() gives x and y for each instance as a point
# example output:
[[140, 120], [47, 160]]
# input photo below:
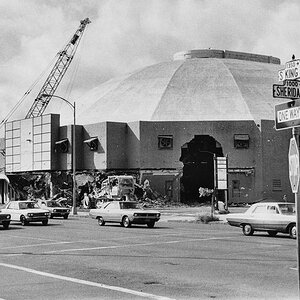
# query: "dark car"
[[55, 208]]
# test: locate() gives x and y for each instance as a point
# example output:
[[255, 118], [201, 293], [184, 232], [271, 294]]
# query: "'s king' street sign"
[[294, 165]]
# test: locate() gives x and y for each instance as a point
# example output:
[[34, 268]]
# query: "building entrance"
[[197, 157]]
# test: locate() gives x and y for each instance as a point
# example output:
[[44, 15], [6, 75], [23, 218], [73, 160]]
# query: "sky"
[[125, 35]]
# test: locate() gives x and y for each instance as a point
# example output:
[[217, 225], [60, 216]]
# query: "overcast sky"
[[129, 34]]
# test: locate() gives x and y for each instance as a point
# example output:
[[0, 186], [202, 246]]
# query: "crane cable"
[[21, 100]]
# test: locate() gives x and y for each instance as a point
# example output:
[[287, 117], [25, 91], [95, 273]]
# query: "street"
[[77, 259]]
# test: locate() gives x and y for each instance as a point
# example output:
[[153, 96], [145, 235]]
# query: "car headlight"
[[47, 214], [68, 210], [8, 217], [54, 210], [30, 215], [158, 215], [135, 214]]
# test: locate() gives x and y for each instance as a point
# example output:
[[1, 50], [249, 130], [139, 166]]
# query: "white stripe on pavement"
[[135, 245], [85, 282]]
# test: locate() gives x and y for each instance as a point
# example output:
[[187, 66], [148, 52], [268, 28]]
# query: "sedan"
[[26, 212], [55, 208], [272, 217], [4, 219], [125, 213]]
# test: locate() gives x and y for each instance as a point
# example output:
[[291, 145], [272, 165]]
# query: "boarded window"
[[165, 142], [276, 185], [241, 141]]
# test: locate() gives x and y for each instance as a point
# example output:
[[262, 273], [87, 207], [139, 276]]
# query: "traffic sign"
[[287, 115], [294, 165], [289, 89], [291, 71]]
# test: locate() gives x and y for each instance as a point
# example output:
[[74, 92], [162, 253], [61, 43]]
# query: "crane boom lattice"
[[58, 71]]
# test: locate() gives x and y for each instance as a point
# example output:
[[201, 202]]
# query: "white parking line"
[[135, 245], [36, 245], [85, 282]]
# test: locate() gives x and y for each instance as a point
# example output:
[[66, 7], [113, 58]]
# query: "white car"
[[26, 212], [125, 213], [272, 217]]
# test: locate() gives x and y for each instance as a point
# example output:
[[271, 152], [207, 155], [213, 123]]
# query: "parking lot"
[[77, 259]]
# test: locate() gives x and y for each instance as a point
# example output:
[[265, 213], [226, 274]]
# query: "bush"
[[206, 218]]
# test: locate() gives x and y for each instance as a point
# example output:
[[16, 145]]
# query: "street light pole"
[[74, 209]]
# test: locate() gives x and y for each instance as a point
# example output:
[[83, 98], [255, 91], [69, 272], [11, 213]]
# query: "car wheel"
[[293, 231], [248, 230], [66, 217], [101, 221], [272, 233], [23, 220], [151, 224], [5, 225], [126, 222], [45, 222]]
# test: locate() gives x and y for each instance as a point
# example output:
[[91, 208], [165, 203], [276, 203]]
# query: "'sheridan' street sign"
[[289, 89], [287, 115], [294, 165]]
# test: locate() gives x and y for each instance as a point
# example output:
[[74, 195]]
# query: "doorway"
[[197, 157]]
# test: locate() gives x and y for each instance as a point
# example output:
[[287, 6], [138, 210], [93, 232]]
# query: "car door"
[[257, 217], [115, 212], [13, 209], [273, 220]]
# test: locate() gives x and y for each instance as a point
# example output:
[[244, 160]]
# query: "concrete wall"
[[95, 160], [275, 166]]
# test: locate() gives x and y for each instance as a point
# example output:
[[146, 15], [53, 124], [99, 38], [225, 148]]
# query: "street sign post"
[[294, 165], [287, 115]]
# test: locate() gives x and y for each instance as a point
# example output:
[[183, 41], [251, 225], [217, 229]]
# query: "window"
[[92, 143], [261, 209], [241, 141], [276, 185], [62, 146], [165, 142]]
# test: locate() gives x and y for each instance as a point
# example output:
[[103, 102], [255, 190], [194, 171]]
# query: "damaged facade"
[[165, 123]]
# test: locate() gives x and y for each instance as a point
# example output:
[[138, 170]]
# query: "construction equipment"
[[65, 57], [118, 187]]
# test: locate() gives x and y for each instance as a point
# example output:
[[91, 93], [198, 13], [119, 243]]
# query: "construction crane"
[[65, 57]]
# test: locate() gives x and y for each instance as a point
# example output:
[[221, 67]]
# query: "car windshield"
[[126, 182], [287, 208], [53, 204], [128, 205], [26, 205]]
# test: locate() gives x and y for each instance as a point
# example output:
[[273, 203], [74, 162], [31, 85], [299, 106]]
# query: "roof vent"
[[212, 53]]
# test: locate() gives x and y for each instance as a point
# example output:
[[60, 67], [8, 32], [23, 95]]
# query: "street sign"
[[287, 115], [294, 165], [222, 173], [289, 89], [291, 71]]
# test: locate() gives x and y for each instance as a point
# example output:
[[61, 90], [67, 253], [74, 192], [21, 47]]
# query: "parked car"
[[55, 208], [4, 219], [26, 212], [125, 213], [272, 217]]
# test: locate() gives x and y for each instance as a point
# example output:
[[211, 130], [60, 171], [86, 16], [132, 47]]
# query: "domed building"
[[203, 120]]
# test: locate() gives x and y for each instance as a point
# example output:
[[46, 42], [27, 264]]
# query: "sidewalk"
[[180, 214]]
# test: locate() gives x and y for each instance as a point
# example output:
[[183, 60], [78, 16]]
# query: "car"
[[272, 217], [55, 208], [125, 213], [4, 219], [26, 211]]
